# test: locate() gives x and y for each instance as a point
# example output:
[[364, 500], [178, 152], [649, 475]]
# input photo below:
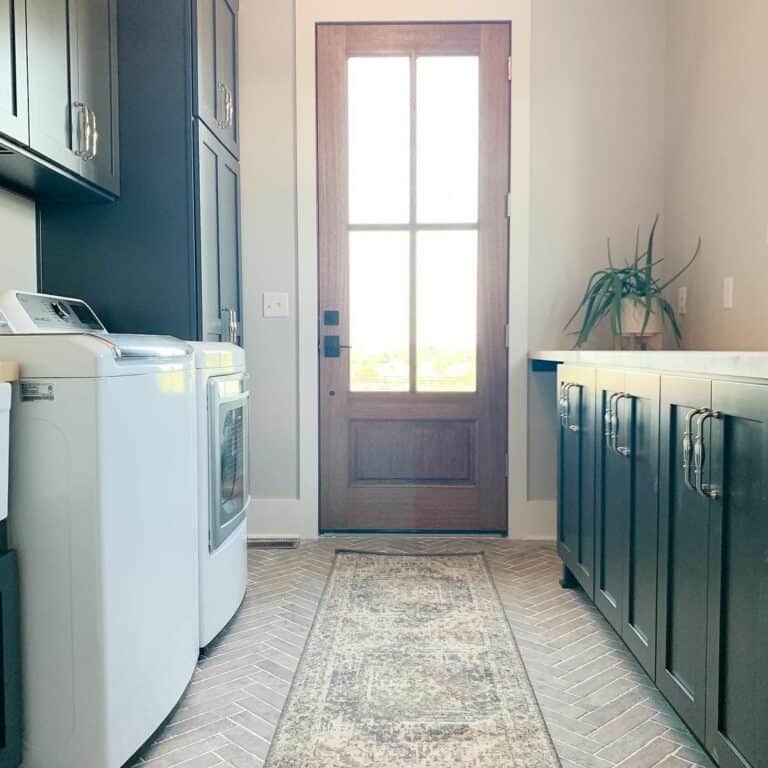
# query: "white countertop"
[[749, 365]]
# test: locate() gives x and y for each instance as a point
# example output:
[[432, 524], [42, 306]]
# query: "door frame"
[[526, 519]]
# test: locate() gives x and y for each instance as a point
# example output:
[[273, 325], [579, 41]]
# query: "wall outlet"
[[727, 293], [275, 304], [682, 300]]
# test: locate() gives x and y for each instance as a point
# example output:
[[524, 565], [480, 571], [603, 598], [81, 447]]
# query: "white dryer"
[[223, 489], [102, 499]]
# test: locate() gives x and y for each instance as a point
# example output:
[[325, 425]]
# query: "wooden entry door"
[[413, 176]]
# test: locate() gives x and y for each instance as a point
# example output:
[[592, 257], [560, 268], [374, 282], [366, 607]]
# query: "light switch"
[[682, 300], [727, 293], [275, 304]]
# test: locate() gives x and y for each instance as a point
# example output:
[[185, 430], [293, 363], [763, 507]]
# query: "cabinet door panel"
[[208, 236], [55, 126], [576, 472], [229, 238], [226, 66], [683, 566], [613, 493], [217, 69], [97, 85], [14, 116], [639, 614], [218, 236], [737, 695]]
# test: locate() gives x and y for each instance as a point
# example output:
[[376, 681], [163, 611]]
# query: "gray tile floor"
[[601, 709]]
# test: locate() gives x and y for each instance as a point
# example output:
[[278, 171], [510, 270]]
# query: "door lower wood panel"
[[413, 275]]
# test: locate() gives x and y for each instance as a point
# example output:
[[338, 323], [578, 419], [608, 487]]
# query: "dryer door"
[[229, 454]]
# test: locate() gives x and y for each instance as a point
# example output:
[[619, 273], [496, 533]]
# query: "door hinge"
[[506, 335], [509, 68], [509, 205], [506, 464]]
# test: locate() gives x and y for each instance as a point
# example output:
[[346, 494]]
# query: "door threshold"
[[411, 532]]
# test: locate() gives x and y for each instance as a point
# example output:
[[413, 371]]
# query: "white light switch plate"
[[275, 304], [682, 300]]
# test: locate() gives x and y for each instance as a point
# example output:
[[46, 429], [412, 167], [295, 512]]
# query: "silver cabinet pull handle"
[[620, 450], [94, 136], [84, 137], [610, 420], [221, 106], [699, 456], [565, 406], [231, 324], [230, 107], [688, 447], [562, 403]]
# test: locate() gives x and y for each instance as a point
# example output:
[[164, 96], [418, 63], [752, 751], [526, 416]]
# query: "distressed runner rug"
[[411, 663]]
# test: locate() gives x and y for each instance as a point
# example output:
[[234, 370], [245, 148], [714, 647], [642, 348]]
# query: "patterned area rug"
[[411, 663]]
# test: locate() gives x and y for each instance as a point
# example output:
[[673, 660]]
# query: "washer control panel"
[[22, 312]]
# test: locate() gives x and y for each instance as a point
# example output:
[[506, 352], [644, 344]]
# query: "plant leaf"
[[684, 269]]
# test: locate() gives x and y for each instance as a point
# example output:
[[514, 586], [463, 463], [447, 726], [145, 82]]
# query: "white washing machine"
[[102, 499], [223, 490]]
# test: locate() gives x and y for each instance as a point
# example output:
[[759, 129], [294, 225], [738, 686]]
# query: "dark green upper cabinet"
[[576, 462], [217, 102], [97, 78], [627, 507], [14, 114], [56, 123], [61, 111], [737, 684]]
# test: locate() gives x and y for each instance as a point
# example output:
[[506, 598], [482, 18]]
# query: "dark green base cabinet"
[[627, 507], [681, 543], [713, 602], [576, 449]]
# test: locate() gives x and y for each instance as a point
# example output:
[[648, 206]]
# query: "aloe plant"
[[635, 280]]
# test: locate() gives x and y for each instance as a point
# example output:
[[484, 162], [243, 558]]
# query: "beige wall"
[[717, 166], [597, 153], [18, 242], [596, 163]]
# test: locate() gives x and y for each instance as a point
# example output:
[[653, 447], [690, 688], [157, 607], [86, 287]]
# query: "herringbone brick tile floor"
[[600, 707]]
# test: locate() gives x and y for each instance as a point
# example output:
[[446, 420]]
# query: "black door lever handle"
[[332, 346]]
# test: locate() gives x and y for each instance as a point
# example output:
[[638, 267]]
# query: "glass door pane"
[[447, 139], [446, 311], [379, 311], [379, 103]]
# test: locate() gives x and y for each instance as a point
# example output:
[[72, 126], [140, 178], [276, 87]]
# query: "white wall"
[[267, 164], [18, 242], [596, 161], [717, 166]]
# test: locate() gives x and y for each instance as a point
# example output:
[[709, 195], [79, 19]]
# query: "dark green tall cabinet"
[[576, 496], [626, 530], [165, 257]]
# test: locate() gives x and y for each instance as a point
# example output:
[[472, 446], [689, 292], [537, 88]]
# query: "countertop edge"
[[735, 364]]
